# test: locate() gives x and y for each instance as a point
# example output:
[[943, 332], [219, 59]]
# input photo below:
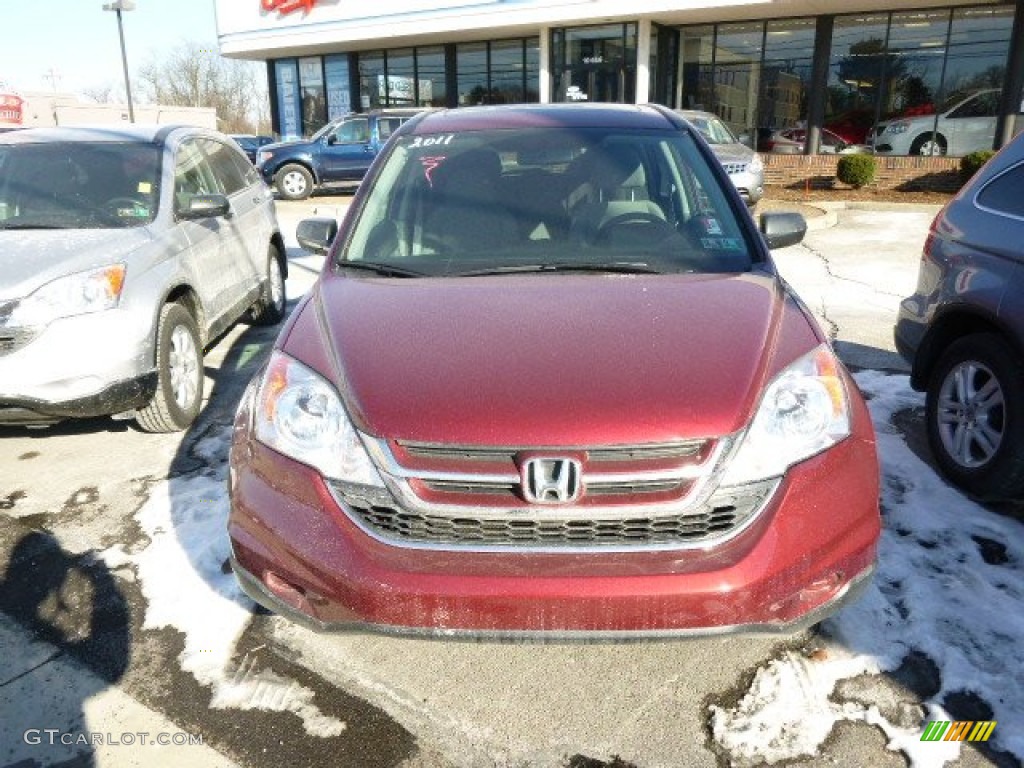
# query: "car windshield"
[[546, 199], [713, 130], [78, 185]]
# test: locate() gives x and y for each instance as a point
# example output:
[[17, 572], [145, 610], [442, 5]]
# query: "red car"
[[549, 384]]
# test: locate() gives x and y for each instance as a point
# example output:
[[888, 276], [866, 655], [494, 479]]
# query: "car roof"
[[139, 132], [637, 116], [688, 113]]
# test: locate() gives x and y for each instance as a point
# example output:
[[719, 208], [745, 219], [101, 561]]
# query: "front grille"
[[682, 450], [733, 168], [725, 512]]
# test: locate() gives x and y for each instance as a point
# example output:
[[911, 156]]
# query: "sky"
[[77, 41]]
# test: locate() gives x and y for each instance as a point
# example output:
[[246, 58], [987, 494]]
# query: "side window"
[[388, 125], [354, 131], [1002, 194], [192, 174], [221, 157], [982, 105]]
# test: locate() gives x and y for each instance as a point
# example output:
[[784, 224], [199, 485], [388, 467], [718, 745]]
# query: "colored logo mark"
[[958, 730]]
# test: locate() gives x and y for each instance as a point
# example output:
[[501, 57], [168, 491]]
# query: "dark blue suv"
[[339, 152]]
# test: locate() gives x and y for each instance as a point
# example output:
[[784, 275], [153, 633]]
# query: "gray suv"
[[124, 252], [963, 330]]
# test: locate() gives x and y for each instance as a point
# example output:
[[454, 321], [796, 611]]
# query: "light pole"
[[118, 6]]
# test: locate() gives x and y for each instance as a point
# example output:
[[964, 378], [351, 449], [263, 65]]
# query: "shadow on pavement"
[[73, 603]]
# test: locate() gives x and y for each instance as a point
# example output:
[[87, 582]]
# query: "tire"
[[179, 367], [294, 182], [925, 145], [975, 416], [269, 309]]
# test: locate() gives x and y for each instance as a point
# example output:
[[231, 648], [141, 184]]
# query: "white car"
[[964, 125]]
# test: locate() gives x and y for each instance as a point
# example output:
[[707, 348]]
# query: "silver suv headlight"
[[298, 413], [78, 294], [804, 410]]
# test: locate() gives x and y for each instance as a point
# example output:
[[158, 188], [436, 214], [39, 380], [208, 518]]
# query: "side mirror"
[[204, 207], [783, 229], [316, 235], [332, 139]]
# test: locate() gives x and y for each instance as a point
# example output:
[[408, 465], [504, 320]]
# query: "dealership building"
[[839, 65]]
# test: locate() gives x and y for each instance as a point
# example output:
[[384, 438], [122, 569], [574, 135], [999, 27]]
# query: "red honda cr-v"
[[550, 384]]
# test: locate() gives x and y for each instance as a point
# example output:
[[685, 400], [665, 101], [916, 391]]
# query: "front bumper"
[[749, 185], [296, 551], [87, 365]]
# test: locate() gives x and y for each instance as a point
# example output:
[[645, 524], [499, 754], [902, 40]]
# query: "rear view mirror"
[[316, 235], [783, 229]]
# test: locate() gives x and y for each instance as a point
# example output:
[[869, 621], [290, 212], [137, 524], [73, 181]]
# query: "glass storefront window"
[[698, 53], [979, 44], [339, 95], [507, 72], [856, 69], [595, 63], [532, 52], [314, 99], [916, 55], [471, 65], [430, 78], [738, 75], [401, 78], [785, 74], [372, 90], [289, 105]]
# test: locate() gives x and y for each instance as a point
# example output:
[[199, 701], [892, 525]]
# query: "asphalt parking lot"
[[119, 618]]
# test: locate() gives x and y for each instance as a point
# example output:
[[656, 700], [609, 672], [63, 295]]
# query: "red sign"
[[284, 7], [10, 108]]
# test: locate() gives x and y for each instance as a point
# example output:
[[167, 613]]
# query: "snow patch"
[[933, 592], [186, 588]]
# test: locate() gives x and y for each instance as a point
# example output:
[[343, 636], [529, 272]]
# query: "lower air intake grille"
[[724, 512]]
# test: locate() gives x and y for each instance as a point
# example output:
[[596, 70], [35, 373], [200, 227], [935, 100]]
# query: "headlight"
[[300, 415], [756, 164], [898, 127], [77, 294], [803, 411], [262, 157]]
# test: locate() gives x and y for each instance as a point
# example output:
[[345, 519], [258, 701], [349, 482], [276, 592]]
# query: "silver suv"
[[123, 253], [744, 166]]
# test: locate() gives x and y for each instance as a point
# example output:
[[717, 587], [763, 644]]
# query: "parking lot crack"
[[54, 656]]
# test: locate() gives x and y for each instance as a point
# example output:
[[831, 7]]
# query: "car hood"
[[30, 258], [549, 360], [732, 153]]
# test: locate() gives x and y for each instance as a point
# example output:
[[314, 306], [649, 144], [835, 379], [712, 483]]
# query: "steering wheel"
[[115, 205], [633, 219]]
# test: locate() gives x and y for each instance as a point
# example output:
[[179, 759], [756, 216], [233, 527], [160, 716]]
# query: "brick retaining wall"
[[938, 174]]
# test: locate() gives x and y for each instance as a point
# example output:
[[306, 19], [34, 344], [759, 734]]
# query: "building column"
[[643, 61], [819, 83], [544, 88], [1011, 102]]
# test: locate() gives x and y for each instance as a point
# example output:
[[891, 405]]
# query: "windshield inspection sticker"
[[722, 243], [711, 226]]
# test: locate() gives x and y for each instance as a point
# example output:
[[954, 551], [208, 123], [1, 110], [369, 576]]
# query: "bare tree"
[[101, 94], [195, 76]]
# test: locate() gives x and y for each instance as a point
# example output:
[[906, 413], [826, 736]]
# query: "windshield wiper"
[[619, 267], [16, 225], [389, 270]]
